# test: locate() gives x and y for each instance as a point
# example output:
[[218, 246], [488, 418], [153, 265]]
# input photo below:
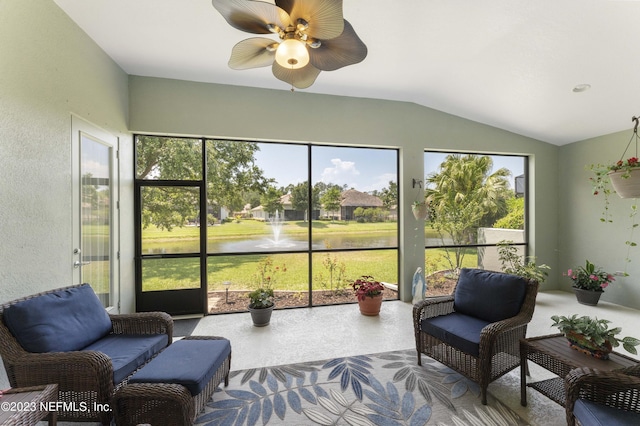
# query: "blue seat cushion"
[[457, 330], [128, 351], [61, 321], [490, 296], [592, 414], [190, 363]]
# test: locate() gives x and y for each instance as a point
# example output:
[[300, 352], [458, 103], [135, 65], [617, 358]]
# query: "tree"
[[331, 199], [231, 172], [465, 195], [300, 198], [389, 196], [514, 219], [271, 200]]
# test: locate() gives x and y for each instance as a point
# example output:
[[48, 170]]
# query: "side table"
[[27, 406], [553, 353]]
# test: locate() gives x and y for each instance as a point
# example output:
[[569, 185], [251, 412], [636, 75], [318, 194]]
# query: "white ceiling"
[[511, 64]]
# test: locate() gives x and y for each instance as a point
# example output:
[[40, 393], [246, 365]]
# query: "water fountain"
[[276, 228]]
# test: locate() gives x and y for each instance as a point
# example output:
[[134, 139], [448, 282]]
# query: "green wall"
[[49, 70], [582, 234], [179, 107]]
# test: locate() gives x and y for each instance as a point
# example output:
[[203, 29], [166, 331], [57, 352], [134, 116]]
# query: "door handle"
[[78, 264]]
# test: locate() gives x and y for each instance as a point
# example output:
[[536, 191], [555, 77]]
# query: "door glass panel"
[[170, 274], [96, 218], [170, 220]]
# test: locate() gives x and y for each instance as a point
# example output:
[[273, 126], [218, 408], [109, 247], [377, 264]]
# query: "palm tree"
[[465, 195]]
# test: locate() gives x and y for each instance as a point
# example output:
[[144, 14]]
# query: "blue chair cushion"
[[457, 330], [128, 351], [190, 363], [62, 321], [487, 295], [589, 413]]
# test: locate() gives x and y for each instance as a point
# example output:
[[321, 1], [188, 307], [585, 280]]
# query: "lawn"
[[283, 271]]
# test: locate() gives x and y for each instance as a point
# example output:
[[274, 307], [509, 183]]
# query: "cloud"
[[379, 182], [340, 173]]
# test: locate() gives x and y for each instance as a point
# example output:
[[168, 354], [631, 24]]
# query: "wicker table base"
[[554, 354], [27, 406]]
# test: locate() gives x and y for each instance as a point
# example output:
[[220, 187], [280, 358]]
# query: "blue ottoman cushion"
[[62, 321], [128, 352], [190, 363], [592, 414], [477, 291], [457, 330]]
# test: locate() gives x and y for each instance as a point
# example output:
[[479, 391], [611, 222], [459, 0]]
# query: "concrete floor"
[[318, 333], [297, 335]]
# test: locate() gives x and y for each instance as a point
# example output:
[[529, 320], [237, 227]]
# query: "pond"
[[264, 244]]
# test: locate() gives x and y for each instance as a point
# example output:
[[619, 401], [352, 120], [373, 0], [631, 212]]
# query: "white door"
[[95, 211]]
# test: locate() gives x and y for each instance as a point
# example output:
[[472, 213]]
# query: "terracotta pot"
[[370, 306], [628, 187], [582, 344], [587, 297]]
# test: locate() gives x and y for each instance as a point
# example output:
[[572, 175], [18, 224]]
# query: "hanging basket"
[[626, 183], [420, 211]]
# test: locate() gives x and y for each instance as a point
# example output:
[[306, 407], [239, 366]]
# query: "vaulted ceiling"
[[512, 64]]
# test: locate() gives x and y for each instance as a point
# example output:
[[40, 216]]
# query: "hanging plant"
[[420, 210], [622, 178]]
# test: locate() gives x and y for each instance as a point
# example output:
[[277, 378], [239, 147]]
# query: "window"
[[306, 220], [476, 203]]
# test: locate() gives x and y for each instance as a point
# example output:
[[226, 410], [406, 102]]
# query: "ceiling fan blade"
[[347, 49], [325, 17], [252, 53], [300, 78], [252, 16]]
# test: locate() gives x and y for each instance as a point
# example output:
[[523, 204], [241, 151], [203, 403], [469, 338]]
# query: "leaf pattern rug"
[[380, 389]]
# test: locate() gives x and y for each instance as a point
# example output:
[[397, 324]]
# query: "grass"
[[283, 271]]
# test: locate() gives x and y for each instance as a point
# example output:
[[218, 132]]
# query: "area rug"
[[380, 389]]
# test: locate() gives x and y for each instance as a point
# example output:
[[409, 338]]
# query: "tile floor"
[[318, 333]]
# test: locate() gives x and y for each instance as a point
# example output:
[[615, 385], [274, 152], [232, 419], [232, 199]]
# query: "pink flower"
[[610, 278], [570, 272], [593, 277], [604, 285]]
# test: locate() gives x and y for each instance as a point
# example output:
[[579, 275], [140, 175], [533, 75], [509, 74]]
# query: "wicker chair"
[[603, 397], [85, 378], [479, 326]]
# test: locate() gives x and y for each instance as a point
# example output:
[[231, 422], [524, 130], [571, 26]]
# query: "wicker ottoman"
[[173, 388]]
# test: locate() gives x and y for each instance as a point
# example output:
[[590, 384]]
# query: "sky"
[[365, 169], [361, 168]]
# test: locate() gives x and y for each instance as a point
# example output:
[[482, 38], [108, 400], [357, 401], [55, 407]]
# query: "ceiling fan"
[[313, 34]]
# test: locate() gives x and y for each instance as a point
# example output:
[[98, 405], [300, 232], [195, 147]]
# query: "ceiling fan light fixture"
[[292, 54]]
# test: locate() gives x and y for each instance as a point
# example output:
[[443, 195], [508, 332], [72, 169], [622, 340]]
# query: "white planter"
[[626, 187], [420, 211]]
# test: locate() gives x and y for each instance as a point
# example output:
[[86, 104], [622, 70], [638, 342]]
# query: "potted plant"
[[589, 283], [420, 209], [593, 336], [261, 306], [522, 266], [369, 294]]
